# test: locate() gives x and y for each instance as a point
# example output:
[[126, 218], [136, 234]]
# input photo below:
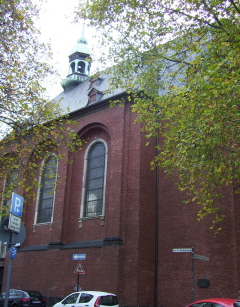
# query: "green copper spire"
[[82, 39], [82, 45], [79, 64]]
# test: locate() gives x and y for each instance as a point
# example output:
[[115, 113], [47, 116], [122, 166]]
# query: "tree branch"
[[234, 5]]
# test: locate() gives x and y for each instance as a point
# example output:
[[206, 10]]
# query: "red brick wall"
[[179, 228], [130, 213]]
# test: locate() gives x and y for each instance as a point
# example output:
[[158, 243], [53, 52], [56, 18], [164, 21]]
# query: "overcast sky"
[[56, 26]]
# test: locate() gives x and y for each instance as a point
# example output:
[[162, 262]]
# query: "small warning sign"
[[79, 269]]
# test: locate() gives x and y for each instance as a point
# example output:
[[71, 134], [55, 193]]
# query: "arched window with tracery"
[[94, 180], [10, 186], [46, 193]]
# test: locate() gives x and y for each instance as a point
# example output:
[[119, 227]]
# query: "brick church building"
[[129, 221]]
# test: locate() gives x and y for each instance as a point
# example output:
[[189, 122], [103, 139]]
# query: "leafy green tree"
[[180, 63], [30, 124], [24, 67]]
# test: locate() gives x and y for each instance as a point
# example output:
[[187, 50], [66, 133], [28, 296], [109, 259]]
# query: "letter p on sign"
[[17, 204]]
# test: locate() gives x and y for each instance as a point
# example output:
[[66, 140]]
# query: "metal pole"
[[192, 274], [9, 272], [155, 299], [78, 287]]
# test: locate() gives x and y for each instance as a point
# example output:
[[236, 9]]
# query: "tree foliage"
[[180, 61], [23, 68], [31, 126]]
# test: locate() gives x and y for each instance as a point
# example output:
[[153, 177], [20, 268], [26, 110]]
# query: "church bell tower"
[[79, 64]]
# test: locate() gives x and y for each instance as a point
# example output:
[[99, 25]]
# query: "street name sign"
[[17, 204], [201, 257], [182, 250], [79, 256]]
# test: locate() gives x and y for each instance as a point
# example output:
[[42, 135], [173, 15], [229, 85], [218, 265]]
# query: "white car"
[[89, 299]]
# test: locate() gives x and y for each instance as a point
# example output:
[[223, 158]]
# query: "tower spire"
[[79, 63], [82, 38]]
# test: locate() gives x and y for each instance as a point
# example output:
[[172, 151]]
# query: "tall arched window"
[[10, 186], [95, 180], [47, 190]]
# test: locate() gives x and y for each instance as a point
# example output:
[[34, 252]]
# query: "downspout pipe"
[[156, 229]]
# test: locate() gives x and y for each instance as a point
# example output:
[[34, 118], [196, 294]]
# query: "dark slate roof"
[[77, 98]]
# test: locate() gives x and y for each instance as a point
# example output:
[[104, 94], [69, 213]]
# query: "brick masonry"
[[121, 249]]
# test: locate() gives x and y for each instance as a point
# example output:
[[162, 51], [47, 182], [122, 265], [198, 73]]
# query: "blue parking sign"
[[17, 204]]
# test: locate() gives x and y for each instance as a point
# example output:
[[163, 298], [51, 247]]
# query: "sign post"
[[79, 269], [190, 250], [14, 225], [192, 274], [187, 250]]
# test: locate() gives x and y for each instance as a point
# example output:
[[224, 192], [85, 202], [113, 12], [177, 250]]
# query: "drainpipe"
[[156, 232]]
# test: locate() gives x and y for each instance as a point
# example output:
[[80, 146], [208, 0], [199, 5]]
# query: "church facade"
[[139, 239]]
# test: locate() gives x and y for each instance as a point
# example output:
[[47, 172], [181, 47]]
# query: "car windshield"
[[71, 299]]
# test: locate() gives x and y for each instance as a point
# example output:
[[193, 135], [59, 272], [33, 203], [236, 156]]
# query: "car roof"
[[24, 290], [30, 290], [227, 301], [95, 292]]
